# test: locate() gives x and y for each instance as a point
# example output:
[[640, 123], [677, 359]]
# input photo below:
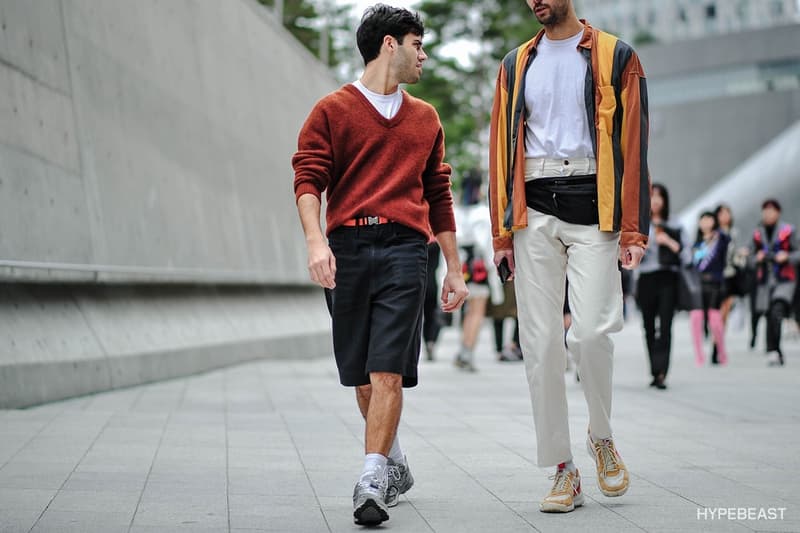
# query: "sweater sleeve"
[[313, 160], [436, 182]]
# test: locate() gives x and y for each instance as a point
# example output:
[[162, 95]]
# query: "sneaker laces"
[[375, 480], [561, 478], [394, 472], [607, 454]]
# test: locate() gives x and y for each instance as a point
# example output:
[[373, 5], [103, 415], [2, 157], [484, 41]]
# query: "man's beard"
[[409, 73], [557, 14]]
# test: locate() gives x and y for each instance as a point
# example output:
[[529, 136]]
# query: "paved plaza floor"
[[277, 446]]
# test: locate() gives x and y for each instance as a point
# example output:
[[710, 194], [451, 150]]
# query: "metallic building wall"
[[715, 104]]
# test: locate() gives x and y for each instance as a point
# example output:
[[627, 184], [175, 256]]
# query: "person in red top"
[[378, 154]]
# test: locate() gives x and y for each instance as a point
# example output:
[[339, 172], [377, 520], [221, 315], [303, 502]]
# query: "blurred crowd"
[[716, 272]]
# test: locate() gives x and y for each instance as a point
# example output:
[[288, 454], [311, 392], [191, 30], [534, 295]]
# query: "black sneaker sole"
[[370, 514]]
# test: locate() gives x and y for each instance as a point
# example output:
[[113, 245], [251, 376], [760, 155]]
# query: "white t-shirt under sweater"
[[387, 104], [557, 126]]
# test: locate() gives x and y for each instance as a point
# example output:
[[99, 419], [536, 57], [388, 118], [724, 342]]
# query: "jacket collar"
[[586, 40]]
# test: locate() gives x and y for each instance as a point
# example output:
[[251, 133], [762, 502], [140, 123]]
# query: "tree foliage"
[[462, 91], [313, 22]]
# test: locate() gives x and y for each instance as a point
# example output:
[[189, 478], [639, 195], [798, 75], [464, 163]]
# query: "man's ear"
[[390, 43]]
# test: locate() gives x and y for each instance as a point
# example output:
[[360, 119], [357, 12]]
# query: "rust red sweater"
[[374, 166]]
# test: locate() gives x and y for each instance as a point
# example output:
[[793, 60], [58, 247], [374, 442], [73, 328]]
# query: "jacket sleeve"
[[794, 252], [498, 153], [753, 248], [313, 161], [436, 183], [634, 141]]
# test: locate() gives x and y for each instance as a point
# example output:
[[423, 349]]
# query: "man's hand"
[[782, 257], [630, 256], [508, 255], [453, 285], [760, 256], [321, 264]]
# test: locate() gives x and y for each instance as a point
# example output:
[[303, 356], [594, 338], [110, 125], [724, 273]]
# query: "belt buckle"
[[373, 221]]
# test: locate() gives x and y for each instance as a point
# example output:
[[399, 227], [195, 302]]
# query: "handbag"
[[744, 280], [690, 291]]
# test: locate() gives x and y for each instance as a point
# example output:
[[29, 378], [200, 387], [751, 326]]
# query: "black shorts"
[[376, 306]]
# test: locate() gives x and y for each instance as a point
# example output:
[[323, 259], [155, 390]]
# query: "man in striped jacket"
[[569, 197]]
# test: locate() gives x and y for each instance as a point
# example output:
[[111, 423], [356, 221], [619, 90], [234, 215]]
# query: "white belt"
[[536, 167]]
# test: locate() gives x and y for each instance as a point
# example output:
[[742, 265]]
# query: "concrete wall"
[[741, 48], [58, 341], [147, 219], [150, 141], [696, 143], [772, 172]]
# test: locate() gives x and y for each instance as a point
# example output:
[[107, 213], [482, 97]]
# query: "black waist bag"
[[571, 199]]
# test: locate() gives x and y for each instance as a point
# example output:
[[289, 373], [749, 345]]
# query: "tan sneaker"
[[566, 493], [612, 475]]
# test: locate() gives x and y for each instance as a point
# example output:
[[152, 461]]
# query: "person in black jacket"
[[658, 285]]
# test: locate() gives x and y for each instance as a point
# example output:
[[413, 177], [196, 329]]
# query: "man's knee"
[[386, 380], [592, 335], [364, 391]]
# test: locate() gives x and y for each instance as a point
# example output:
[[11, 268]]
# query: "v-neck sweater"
[[369, 165]]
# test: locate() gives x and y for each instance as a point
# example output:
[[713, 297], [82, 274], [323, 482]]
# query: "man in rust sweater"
[[378, 152]]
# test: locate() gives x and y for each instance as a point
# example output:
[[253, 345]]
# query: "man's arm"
[[321, 262], [312, 165], [793, 254], [454, 279], [437, 186], [436, 182], [636, 178], [501, 239]]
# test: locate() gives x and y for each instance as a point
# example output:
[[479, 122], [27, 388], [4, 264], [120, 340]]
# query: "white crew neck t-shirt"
[[387, 104], [557, 126]]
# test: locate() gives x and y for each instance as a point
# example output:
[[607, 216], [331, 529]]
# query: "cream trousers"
[[546, 253]]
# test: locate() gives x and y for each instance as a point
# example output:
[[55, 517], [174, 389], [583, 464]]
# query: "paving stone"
[[104, 501], [18, 520], [34, 475], [282, 449], [82, 522]]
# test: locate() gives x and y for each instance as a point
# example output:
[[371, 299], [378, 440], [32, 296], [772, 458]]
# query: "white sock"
[[396, 454], [569, 466], [373, 462]]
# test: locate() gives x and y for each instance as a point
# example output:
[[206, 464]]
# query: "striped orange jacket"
[[616, 103]]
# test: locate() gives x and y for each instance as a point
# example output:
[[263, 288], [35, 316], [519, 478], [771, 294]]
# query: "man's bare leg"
[[381, 404], [402, 480]]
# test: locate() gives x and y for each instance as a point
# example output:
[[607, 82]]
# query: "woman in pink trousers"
[[709, 259]]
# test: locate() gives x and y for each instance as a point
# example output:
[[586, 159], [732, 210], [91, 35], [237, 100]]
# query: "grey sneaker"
[[464, 362], [400, 480], [369, 500]]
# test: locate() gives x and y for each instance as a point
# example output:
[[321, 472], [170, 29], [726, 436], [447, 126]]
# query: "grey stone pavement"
[[277, 446]]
